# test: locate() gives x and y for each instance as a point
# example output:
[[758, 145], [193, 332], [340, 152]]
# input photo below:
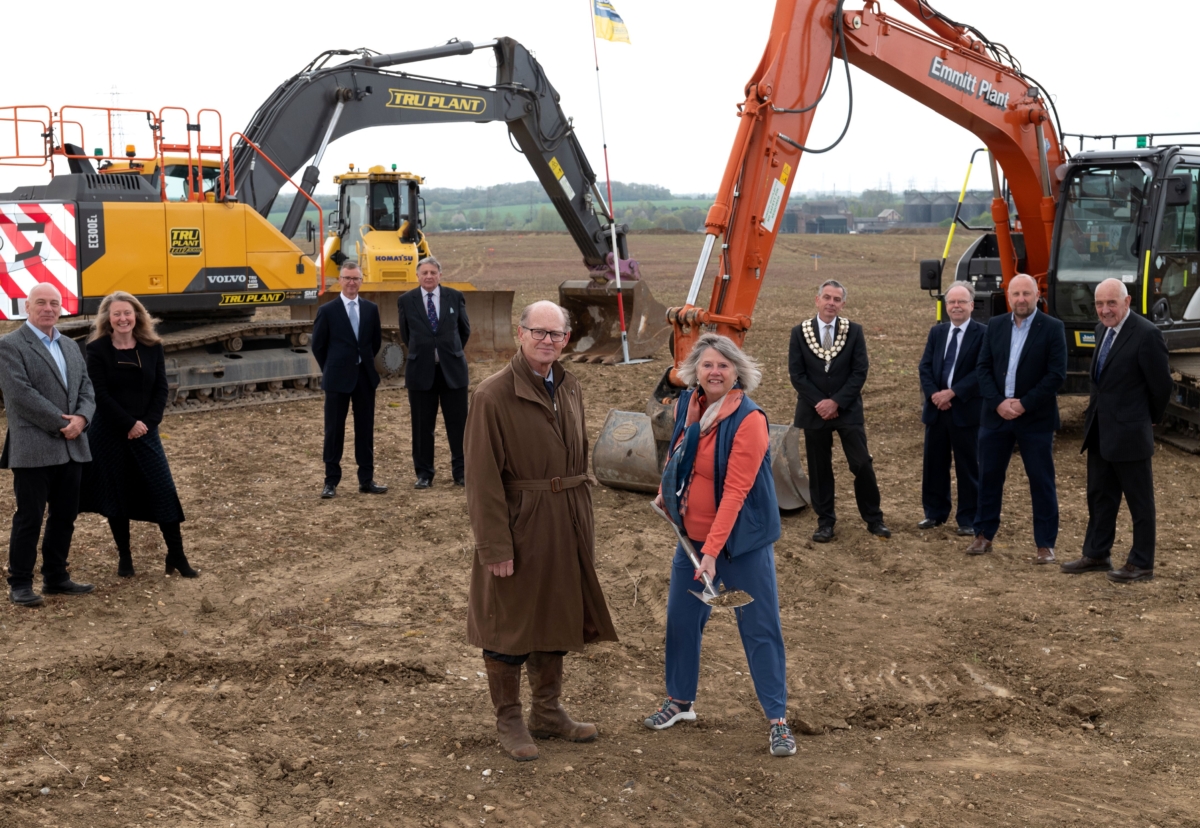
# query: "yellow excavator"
[[186, 228]]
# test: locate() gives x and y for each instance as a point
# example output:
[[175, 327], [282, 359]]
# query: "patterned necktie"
[[1108, 341], [352, 312], [432, 311], [549, 386], [827, 339], [951, 357]]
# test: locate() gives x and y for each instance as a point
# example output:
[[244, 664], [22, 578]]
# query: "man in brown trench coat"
[[534, 592]]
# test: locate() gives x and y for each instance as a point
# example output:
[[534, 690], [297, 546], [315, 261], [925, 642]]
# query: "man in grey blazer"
[[48, 401]]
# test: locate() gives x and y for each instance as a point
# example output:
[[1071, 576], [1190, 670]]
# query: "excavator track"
[[1181, 425]]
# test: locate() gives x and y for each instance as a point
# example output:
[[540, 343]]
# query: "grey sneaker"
[[782, 741], [668, 714]]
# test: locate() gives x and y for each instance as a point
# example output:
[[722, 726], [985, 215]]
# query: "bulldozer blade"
[[626, 454], [596, 324], [490, 315], [791, 484]]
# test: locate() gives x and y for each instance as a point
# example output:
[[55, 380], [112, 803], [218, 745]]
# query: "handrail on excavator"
[[12, 114], [320, 213], [60, 120]]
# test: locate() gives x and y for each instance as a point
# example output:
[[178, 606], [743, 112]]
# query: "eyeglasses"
[[540, 333]]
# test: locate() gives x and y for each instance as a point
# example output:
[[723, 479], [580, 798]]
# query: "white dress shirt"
[[357, 311], [51, 343], [950, 338], [437, 306], [833, 329]]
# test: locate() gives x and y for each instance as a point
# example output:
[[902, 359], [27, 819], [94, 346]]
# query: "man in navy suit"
[[1022, 364], [346, 336], [435, 329], [1131, 385], [951, 414]]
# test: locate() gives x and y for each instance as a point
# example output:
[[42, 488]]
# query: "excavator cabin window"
[[1098, 236], [1174, 268], [385, 205], [175, 180]]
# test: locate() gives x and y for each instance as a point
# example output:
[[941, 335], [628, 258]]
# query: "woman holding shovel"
[[718, 492]]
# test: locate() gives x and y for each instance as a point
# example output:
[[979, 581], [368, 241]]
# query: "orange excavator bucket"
[[596, 323]]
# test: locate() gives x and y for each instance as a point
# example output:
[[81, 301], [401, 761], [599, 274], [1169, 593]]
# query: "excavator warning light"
[[98, 151], [1141, 142], [351, 168], [130, 150], [393, 167]]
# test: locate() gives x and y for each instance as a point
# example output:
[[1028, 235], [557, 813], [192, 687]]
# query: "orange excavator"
[[1129, 214]]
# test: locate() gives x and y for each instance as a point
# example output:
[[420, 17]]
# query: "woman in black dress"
[[128, 478]]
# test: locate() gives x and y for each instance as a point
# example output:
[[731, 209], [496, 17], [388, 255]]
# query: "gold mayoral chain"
[[839, 340]]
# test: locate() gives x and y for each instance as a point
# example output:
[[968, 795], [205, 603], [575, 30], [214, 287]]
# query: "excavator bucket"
[[490, 314], [791, 484], [626, 454], [596, 324]]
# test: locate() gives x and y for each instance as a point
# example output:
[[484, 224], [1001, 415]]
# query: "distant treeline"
[[524, 206]]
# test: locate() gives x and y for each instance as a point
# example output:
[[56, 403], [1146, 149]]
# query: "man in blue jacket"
[[345, 339], [1022, 365], [951, 414]]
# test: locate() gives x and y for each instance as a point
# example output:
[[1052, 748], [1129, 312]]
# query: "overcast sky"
[[669, 98]]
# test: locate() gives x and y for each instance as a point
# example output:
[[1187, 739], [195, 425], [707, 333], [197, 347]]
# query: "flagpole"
[[612, 208]]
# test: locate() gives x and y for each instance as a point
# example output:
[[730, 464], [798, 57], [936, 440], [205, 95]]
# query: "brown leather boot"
[[547, 718], [504, 682]]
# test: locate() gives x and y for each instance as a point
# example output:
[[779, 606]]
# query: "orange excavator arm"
[[943, 67]]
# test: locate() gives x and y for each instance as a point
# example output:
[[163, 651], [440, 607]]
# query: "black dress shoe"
[[373, 488], [1129, 573], [1086, 564], [423, 483], [879, 530], [328, 492], [25, 597], [824, 534], [930, 523], [965, 531], [458, 481], [67, 587]]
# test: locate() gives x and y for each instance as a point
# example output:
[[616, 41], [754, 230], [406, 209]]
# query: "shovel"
[[730, 598]]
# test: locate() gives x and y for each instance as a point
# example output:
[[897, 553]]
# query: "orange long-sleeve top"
[[703, 518]]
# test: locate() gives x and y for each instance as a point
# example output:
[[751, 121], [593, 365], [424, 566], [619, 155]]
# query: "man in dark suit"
[[1131, 384], [346, 337], [827, 361], [951, 414], [48, 401], [435, 329], [1022, 364]]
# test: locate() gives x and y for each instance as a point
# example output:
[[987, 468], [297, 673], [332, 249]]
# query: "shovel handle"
[[686, 543]]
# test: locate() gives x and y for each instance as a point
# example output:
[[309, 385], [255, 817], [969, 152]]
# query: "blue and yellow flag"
[[609, 24]]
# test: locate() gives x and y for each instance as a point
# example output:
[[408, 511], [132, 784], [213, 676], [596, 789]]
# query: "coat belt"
[[553, 484]]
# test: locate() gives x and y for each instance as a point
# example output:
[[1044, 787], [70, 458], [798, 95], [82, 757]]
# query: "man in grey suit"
[[48, 401]]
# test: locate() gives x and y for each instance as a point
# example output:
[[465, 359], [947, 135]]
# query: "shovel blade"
[[726, 598]]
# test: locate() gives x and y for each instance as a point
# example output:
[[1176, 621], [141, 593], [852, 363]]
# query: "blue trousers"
[[1037, 453], [758, 625]]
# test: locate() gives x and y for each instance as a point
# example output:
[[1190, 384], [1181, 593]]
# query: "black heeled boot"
[[120, 533], [176, 560]]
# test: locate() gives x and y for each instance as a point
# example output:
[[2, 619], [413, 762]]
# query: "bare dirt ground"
[[317, 671]]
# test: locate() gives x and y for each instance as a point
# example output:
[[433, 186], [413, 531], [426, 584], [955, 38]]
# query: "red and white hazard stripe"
[[37, 244]]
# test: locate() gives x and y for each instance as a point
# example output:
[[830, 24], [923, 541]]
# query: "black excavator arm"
[[322, 103]]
